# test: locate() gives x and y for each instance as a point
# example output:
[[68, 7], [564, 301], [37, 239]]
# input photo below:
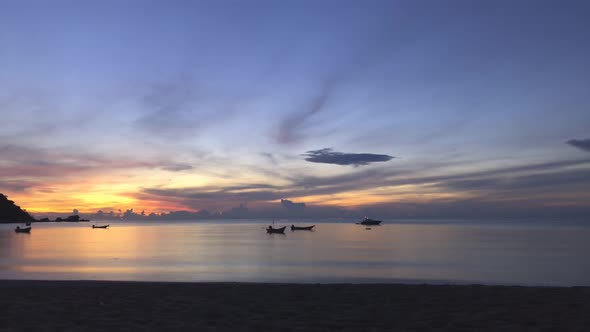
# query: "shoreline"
[[229, 306]]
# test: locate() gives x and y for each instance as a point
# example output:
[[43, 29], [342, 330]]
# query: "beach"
[[150, 306]]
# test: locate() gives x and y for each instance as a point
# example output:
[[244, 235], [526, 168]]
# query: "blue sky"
[[163, 105]]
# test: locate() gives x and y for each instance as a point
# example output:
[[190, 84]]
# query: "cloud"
[[16, 185], [518, 179], [371, 51], [22, 161], [270, 157], [291, 126], [211, 196], [583, 144], [507, 190], [355, 178], [527, 182], [327, 156], [177, 167], [293, 208], [290, 205], [184, 106], [173, 108]]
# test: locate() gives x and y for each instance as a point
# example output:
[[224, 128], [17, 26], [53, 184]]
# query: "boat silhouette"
[[271, 230], [302, 228], [369, 221], [18, 229], [102, 226]]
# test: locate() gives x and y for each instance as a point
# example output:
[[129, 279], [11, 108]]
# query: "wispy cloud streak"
[[554, 179], [290, 127]]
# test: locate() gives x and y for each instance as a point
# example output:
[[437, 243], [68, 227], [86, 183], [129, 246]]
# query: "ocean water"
[[453, 251]]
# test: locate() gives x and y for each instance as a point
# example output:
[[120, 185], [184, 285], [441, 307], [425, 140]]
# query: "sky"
[[394, 108]]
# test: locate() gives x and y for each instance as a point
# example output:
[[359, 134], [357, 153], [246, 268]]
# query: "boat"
[[302, 228], [369, 221], [103, 226], [18, 229], [271, 230]]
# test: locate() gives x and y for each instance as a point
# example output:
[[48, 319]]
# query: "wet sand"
[[147, 306]]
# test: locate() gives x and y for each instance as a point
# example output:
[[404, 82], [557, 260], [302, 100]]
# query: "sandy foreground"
[[148, 306]]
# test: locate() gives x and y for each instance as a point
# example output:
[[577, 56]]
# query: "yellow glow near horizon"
[[122, 190], [114, 191], [118, 194], [352, 199]]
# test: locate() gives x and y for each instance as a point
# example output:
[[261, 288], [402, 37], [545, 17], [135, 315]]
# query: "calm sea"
[[493, 252]]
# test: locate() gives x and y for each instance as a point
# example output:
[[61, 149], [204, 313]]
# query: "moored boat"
[[302, 228], [18, 229], [369, 221], [103, 226], [271, 230]]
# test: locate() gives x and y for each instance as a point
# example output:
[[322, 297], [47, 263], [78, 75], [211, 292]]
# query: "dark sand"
[[143, 306]]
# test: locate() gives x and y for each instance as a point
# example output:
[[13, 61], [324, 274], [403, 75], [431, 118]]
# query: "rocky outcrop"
[[12, 213]]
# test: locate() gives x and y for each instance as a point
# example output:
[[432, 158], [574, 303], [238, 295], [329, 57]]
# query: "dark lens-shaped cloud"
[[327, 156], [583, 144]]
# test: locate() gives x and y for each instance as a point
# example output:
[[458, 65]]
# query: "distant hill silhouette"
[[12, 213]]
